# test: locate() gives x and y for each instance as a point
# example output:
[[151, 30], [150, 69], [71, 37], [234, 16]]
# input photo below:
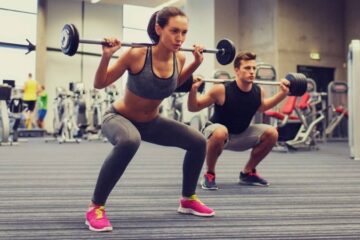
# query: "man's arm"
[[268, 103], [197, 103]]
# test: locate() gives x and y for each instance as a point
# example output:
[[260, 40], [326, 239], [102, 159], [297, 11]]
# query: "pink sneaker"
[[97, 220], [193, 205]]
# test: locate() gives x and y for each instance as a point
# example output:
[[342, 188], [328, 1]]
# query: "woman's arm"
[[186, 72], [106, 75]]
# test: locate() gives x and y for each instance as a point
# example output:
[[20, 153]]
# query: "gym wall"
[[311, 26], [281, 32], [99, 21], [352, 22]]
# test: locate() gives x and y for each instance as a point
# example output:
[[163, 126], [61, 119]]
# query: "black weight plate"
[[227, 51], [69, 39]]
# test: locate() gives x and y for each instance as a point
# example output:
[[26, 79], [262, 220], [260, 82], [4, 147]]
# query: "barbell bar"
[[225, 50], [297, 87]]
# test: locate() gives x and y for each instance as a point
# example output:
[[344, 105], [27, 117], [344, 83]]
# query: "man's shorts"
[[242, 141], [30, 105]]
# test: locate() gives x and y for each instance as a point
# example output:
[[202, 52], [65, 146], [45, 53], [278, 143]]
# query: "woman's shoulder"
[[137, 52], [180, 56]]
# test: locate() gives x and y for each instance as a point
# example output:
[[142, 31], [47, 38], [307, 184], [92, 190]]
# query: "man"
[[30, 90], [235, 104]]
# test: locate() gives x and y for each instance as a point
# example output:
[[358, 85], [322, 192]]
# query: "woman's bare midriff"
[[136, 108]]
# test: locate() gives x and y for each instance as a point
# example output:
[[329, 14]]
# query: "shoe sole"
[[207, 188], [105, 229], [191, 211], [253, 184]]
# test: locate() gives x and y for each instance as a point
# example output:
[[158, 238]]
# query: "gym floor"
[[45, 189]]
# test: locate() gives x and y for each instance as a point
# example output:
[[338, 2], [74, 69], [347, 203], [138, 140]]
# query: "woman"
[[154, 73]]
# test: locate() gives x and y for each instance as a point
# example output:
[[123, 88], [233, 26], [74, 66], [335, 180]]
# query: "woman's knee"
[[130, 143], [201, 142], [197, 142]]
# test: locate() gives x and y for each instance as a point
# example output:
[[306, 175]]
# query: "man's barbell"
[[297, 87], [225, 50]]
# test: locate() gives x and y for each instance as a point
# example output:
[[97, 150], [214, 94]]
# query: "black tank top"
[[238, 109]]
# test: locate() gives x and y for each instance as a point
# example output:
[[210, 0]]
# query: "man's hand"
[[197, 82], [284, 86]]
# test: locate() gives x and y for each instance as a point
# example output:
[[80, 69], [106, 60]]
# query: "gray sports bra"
[[147, 85]]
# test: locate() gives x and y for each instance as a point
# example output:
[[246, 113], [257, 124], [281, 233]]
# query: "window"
[[18, 21], [135, 21]]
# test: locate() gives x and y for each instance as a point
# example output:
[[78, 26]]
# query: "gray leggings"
[[126, 136]]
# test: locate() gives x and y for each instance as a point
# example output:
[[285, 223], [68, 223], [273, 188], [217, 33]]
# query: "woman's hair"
[[161, 17], [243, 56]]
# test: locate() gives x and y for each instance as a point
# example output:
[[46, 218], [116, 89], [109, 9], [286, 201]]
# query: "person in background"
[[235, 104], [42, 102], [30, 90]]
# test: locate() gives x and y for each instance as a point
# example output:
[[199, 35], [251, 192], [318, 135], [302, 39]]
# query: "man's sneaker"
[[96, 219], [208, 182], [252, 178], [193, 205]]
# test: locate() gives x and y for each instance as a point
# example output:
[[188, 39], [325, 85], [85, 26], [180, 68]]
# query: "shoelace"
[[99, 212]]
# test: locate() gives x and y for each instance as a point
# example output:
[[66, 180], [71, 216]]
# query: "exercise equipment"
[[297, 87], [96, 113], [225, 50], [16, 108], [336, 129], [5, 95], [265, 72], [310, 117], [64, 122]]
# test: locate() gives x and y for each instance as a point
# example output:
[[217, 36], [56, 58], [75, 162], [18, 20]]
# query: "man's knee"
[[220, 135], [270, 135]]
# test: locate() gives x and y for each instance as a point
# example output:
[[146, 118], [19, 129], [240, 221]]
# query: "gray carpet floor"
[[45, 189]]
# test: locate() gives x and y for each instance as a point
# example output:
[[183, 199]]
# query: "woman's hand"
[[198, 53], [111, 46]]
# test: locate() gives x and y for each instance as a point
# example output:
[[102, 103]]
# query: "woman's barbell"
[[297, 87], [225, 50]]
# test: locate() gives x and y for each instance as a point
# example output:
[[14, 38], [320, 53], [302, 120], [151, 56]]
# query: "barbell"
[[297, 87], [225, 50]]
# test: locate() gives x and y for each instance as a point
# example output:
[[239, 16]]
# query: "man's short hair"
[[243, 56]]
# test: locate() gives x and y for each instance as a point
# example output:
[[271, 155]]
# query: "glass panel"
[[20, 5], [22, 26], [17, 27], [137, 36], [15, 65], [136, 16]]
